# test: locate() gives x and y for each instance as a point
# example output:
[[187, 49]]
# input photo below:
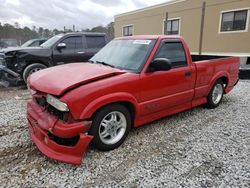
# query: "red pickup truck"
[[131, 81]]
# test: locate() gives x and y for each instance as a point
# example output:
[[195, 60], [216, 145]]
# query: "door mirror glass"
[[61, 45], [160, 64]]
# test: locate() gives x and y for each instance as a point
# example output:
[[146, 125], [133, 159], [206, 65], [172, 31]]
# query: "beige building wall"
[[227, 42], [150, 21]]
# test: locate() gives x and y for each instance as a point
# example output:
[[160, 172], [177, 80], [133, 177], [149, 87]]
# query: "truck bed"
[[206, 57], [209, 67]]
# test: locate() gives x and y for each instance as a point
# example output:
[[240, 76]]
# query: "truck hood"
[[27, 49], [59, 79]]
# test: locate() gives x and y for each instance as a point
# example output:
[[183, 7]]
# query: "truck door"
[[80, 50], [172, 89], [68, 54]]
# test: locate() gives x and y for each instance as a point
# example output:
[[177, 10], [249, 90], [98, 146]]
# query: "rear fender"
[[216, 77], [108, 99]]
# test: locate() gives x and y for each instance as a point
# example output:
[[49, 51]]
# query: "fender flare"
[[216, 77], [98, 103]]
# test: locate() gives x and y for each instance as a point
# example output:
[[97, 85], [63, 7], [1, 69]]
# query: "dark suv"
[[17, 64]]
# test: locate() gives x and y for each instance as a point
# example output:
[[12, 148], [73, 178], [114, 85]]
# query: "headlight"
[[56, 103]]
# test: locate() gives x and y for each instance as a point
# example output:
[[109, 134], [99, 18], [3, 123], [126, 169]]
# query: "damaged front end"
[[7, 76], [55, 133]]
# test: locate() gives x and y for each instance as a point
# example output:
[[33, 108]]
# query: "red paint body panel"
[[85, 88], [209, 71], [40, 122], [59, 79]]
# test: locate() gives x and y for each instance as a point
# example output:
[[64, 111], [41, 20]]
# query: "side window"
[[95, 41], [174, 52], [34, 44], [41, 41], [79, 44], [70, 43]]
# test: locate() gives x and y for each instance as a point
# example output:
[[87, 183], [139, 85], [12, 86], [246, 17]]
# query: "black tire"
[[31, 69], [96, 126], [210, 102]]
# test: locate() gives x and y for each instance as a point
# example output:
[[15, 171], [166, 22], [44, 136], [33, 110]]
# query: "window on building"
[[128, 30], [234, 21], [173, 27], [174, 52]]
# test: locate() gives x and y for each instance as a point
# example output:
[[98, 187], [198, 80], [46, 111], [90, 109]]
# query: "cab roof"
[[150, 37]]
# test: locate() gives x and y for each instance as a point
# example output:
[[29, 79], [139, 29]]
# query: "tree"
[[56, 32], [16, 24], [99, 29], [15, 31], [110, 31], [40, 32], [46, 33]]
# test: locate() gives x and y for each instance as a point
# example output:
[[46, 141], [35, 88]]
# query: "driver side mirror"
[[160, 64], [61, 45]]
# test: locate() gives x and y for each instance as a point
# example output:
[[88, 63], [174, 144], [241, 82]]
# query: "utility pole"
[[202, 26], [74, 28], [166, 24]]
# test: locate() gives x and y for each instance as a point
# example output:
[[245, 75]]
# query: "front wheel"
[[215, 95], [110, 127], [32, 69]]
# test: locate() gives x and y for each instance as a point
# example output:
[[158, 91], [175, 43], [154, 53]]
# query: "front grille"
[[42, 102], [65, 141]]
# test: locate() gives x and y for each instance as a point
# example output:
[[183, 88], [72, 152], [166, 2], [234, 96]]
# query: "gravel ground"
[[196, 148]]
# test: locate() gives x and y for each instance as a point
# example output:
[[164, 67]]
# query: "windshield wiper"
[[103, 63], [91, 61]]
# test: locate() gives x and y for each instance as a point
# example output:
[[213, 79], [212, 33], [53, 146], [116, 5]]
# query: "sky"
[[59, 13]]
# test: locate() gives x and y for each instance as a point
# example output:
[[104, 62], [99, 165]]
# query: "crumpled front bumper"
[[43, 124], [9, 77]]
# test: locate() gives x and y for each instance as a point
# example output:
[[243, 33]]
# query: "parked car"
[[5, 43], [17, 64], [33, 43], [130, 82]]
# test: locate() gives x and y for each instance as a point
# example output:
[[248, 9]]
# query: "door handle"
[[187, 74], [80, 52]]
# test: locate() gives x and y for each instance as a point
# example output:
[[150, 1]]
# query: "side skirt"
[[151, 117]]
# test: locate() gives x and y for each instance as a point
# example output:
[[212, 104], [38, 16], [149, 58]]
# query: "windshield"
[[26, 44], [51, 41], [125, 54]]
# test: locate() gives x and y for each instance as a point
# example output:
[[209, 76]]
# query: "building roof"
[[150, 7]]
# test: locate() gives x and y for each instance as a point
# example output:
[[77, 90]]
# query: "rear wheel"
[[215, 95], [32, 69], [110, 127]]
